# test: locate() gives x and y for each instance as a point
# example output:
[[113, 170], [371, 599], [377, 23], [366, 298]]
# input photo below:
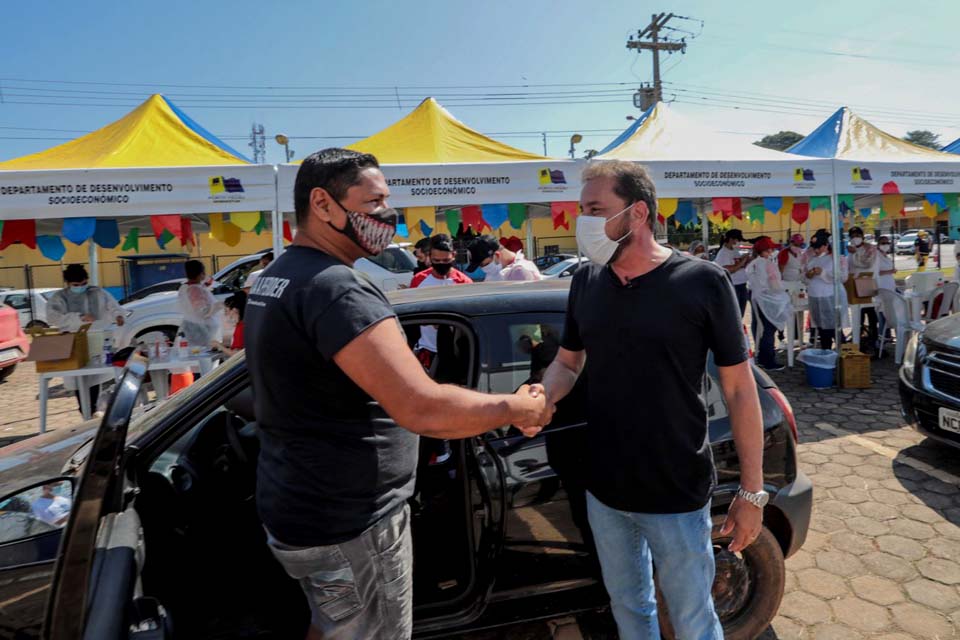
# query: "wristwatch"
[[758, 499]]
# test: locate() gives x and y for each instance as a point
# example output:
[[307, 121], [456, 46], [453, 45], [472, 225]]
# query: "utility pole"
[[544, 134], [258, 141], [649, 38]]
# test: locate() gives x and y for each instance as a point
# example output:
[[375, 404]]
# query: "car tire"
[[6, 372], [747, 611], [37, 324]]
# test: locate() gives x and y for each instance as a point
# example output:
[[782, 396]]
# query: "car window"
[[395, 259], [236, 277], [36, 510], [556, 269], [47, 294], [18, 301], [516, 349]]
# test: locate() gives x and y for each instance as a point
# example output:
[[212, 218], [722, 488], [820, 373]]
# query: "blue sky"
[[755, 68]]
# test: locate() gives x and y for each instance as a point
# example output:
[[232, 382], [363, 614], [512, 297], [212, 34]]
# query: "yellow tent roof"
[[430, 134], [155, 134]]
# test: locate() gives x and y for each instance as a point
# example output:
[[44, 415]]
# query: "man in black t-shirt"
[[339, 400], [641, 320]]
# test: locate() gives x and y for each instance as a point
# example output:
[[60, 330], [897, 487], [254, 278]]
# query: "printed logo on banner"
[[860, 174], [804, 178], [552, 180], [225, 189]]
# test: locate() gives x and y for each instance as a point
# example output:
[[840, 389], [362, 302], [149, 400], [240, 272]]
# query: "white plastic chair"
[[897, 314], [947, 295]]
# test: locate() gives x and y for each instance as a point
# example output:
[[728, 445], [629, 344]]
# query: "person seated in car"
[[51, 508], [235, 307]]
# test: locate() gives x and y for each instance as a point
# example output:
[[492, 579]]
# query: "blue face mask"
[[80, 289]]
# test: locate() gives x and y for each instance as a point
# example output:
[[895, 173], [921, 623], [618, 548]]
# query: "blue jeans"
[[679, 543]]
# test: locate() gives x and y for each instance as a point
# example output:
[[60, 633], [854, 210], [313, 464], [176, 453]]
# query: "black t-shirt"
[[332, 463], [646, 344]]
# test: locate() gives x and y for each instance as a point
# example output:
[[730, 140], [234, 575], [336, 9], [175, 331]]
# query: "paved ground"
[[882, 559]]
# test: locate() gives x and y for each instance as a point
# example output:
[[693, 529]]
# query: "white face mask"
[[492, 271], [856, 241], [885, 248], [593, 240]]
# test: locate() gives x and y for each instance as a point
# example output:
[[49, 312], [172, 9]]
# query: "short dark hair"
[[632, 183], [423, 244], [75, 273], [334, 169], [193, 268], [237, 301], [441, 242]]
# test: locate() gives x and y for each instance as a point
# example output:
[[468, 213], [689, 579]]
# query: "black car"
[[930, 381], [163, 516]]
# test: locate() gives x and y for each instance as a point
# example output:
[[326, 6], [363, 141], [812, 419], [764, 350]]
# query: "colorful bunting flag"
[[231, 234], [23, 231], [890, 188], [936, 199], [952, 200], [929, 210], [167, 222], [737, 208], [756, 213], [453, 219], [495, 215], [415, 215], [773, 205], [865, 212], [845, 203], [723, 206], [820, 203], [51, 247], [892, 204], [79, 230], [132, 241], [402, 230], [186, 232], [562, 213], [517, 213], [262, 225], [801, 211], [667, 206], [165, 237], [107, 234], [685, 213], [425, 229], [473, 217], [216, 226], [288, 234], [715, 218], [246, 220], [786, 206]]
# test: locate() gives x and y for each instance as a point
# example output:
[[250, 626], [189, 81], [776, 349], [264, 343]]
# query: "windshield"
[[557, 268], [395, 259]]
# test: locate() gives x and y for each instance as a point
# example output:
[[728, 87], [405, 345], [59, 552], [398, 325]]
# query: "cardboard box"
[[55, 351], [854, 368]]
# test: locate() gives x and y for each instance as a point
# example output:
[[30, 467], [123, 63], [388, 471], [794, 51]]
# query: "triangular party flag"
[[929, 210], [413, 216], [216, 226], [845, 203], [425, 229], [288, 234], [402, 230], [1, 227], [23, 231], [786, 206], [801, 211], [473, 217], [79, 230], [167, 222], [165, 237], [723, 206], [667, 206], [453, 219], [756, 213], [937, 199], [661, 219], [773, 205], [883, 214], [495, 215], [107, 234], [186, 232], [952, 201], [892, 203], [715, 218], [132, 241], [737, 208], [890, 188], [562, 213], [820, 203], [231, 234], [685, 214], [262, 225], [865, 212], [51, 247], [517, 213], [246, 220]]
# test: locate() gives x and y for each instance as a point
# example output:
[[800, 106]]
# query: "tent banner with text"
[[741, 179], [897, 177], [419, 185], [71, 193]]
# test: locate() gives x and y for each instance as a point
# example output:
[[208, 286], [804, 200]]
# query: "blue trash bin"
[[820, 364]]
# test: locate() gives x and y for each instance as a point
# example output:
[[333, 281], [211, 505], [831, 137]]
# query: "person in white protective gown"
[[201, 323], [771, 303]]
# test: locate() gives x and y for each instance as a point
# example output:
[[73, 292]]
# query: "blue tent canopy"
[[953, 147]]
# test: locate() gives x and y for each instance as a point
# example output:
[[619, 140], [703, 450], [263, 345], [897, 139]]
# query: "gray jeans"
[[361, 588]]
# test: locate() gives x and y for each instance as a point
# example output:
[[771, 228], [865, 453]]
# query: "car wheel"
[[6, 372], [747, 588], [37, 324]]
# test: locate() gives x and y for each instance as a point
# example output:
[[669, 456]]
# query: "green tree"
[[923, 138], [780, 141], [589, 153]]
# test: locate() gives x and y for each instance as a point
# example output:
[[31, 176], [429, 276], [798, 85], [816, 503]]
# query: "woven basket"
[[854, 368]]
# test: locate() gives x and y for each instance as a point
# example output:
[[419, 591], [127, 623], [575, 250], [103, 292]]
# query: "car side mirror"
[[565, 274], [38, 509]]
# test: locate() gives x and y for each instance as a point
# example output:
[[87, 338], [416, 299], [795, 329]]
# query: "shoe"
[[776, 367]]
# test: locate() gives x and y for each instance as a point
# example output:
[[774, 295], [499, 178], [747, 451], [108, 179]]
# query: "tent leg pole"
[[529, 242], [704, 227], [837, 284], [276, 217], [92, 259]]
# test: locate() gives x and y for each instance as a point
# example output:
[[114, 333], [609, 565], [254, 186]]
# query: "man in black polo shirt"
[[640, 321], [339, 398]]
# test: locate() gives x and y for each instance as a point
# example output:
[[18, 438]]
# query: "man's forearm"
[[558, 381], [747, 423], [456, 412]]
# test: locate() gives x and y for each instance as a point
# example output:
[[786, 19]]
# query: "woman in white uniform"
[[770, 303], [820, 289]]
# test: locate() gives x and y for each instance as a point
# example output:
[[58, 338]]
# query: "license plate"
[[9, 354], [950, 420]]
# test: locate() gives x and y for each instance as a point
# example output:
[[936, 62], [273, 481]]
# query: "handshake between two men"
[[537, 409]]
